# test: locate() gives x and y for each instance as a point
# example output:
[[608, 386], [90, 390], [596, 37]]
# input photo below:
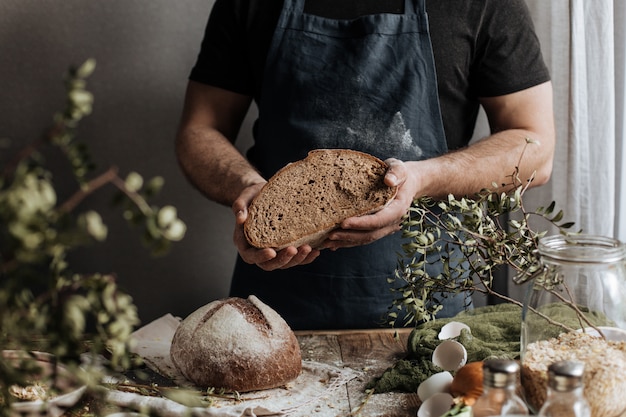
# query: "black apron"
[[367, 84]]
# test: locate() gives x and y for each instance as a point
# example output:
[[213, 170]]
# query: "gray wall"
[[144, 50]]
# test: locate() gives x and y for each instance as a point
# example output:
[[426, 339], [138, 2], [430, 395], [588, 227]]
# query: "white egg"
[[450, 355], [434, 384], [452, 330], [435, 406]]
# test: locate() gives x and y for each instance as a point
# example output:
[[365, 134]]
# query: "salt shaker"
[[565, 391], [499, 396]]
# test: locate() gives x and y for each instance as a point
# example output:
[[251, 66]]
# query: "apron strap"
[[414, 6], [296, 5]]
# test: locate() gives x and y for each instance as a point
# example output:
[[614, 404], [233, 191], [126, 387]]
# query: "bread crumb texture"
[[604, 378], [236, 344], [313, 196]]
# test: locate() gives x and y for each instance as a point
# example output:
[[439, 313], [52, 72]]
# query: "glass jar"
[[580, 287], [499, 397], [565, 391]]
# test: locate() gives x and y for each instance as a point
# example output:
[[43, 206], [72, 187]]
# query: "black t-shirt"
[[482, 48]]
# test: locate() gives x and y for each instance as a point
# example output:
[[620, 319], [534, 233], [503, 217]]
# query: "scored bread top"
[[307, 199], [236, 344]]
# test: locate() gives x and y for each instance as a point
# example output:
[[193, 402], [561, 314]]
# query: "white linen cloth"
[[584, 45], [152, 342]]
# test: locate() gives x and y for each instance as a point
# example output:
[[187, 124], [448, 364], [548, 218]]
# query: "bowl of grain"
[[604, 378]]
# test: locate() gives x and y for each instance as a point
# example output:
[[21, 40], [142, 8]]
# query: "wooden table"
[[370, 352]]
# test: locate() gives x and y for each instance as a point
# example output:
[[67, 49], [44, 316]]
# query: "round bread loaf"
[[238, 345], [307, 199]]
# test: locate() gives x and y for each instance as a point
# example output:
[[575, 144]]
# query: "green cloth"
[[494, 333]]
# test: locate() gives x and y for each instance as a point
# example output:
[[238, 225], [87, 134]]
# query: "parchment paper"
[[152, 342]]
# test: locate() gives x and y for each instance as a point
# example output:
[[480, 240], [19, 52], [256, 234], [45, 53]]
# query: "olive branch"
[[469, 238]]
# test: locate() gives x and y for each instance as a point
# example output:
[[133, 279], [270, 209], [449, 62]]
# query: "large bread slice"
[[303, 202], [236, 344]]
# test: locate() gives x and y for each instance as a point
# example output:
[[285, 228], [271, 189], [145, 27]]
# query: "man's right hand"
[[267, 259]]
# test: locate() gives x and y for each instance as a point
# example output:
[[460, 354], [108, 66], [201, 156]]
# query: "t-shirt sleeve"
[[223, 60], [510, 52]]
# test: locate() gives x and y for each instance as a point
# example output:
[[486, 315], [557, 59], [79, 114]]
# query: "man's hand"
[[361, 230], [267, 259]]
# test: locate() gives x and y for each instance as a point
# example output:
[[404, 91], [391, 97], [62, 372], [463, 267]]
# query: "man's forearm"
[[214, 166], [493, 160], [521, 149]]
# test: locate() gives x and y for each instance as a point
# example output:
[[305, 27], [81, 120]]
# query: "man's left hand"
[[361, 230]]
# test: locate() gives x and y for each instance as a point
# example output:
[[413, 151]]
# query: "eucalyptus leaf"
[[134, 182], [86, 69]]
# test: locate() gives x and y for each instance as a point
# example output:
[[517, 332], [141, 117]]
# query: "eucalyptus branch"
[[154, 390], [579, 314], [22, 154], [91, 187], [134, 196], [489, 290], [108, 177], [44, 305]]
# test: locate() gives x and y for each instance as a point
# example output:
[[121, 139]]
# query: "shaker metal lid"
[[500, 373], [565, 375]]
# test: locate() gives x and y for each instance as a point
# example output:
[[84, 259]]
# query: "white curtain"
[[584, 44], [620, 107]]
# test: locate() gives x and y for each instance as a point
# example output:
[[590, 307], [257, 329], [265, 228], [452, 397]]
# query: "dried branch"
[[91, 187]]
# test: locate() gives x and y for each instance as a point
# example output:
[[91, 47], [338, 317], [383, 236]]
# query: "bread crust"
[[238, 345], [307, 199]]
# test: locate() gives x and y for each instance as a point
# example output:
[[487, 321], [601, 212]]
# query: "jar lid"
[[500, 373], [565, 375], [582, 249]]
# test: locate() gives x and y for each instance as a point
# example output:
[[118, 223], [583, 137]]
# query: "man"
[[393, 78]]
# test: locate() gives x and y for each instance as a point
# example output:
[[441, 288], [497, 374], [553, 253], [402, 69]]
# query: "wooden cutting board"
[[368, 351]]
